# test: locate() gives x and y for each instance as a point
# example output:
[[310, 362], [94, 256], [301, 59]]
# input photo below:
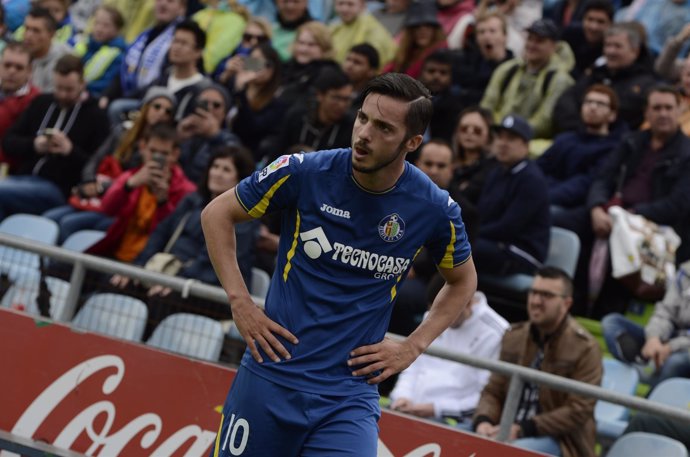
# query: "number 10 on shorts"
[[234, 427]]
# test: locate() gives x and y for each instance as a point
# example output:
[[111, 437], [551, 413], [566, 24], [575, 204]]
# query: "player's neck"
[[380, 180]]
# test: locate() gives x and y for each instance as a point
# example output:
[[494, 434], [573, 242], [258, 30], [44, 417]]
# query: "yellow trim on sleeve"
[[293, 248], [447, 260], [260, 207], [216, 448]]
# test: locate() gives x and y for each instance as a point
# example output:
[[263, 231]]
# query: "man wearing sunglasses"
[[548, 421]]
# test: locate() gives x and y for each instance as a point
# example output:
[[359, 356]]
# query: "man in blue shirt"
[[353, 221]]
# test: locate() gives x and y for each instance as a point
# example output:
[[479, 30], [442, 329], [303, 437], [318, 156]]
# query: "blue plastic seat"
[[115, 315], [189, 334], [260, 282], [672, 392], [82, 240], [612, 419], [17, 262], [642, 444], [25, 290]]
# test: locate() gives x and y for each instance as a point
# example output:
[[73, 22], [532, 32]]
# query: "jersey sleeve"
[[274, 188], [449, 247]]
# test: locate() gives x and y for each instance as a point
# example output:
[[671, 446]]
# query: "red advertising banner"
[[106, 397]]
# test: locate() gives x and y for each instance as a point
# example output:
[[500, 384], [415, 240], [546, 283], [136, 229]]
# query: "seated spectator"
[[664, 340], [361, 64], [326, 122], [51, 142], [144, 60], [139, 15], [226, 168], [436, 76], [513, 207], [259, 111], [437, 388], [421, 36], [586, 38], [64, 32], [102, 50], [356, 26], [311, 52], [203, 130], [646, 174], [16, 91], [40, 27], [118, 153], [257, 32], [626, 69], [224, 22], [291, 15], [531, 85], [476, 64], [575, 157], [141, 198], [392, 15], [662, 19], [549, 421]]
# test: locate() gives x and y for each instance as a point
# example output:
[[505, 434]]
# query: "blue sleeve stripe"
[[260, 207], [293, 248], [447, 260]]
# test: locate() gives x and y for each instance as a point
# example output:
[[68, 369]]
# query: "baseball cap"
[[545, 28], [422, 12], [516, 125]]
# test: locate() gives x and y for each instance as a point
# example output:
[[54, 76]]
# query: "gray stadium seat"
[[641, 444], [612, 419], [114, 315], [189, 334]]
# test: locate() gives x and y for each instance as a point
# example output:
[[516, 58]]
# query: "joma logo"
[[335, 211]]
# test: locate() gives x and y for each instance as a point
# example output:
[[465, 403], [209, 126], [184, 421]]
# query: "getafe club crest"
[[391, 228]]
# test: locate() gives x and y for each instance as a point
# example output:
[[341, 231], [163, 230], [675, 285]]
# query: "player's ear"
[[413, 143]]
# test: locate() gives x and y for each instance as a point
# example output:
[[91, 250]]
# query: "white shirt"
[[450, 386]]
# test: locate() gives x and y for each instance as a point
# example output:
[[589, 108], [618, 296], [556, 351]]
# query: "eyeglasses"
[[249, 37], [471, 129], [158, 107], [597, 103], [544, 294]]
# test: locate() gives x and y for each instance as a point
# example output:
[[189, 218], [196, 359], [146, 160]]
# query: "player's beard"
[[381, 164]]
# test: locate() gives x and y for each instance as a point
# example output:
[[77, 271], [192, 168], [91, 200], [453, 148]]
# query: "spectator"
[[51, 142], [451, 11], [421, 36], [16, 92], [224, 22], [144, 60], [646, 174], [64, 32], [203, 130], [227, 167], [257, 32], [575, 157], [513, 207], [139, 16], [40, 27], [361, 64], [476, 64], [292, 14], [664, 340], [436, 75], [142, 197], [436, 388], [530, 86], [325, 124], [118, 153], [586, 38], [259, 110], [392, 15], [626, 69], [547, 420], [566, 12], [669, 64], [357, 26], [662, 19], [102, 51]]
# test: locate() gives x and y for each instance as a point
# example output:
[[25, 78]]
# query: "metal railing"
[[518, 374]]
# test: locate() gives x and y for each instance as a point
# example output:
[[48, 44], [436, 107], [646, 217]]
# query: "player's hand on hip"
[[258, 330], [387, 358]]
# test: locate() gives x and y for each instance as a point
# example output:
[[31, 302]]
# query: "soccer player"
[[353, 221]]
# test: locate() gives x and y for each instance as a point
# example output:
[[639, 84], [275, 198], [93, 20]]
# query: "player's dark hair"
[[38, 12], [368, 52], [557, 273], [600, 5], [404, 88]]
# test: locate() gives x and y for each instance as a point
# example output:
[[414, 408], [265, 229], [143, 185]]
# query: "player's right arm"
[[218, 221]]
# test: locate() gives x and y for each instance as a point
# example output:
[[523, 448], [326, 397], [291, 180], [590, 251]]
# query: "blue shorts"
[[262, 419]]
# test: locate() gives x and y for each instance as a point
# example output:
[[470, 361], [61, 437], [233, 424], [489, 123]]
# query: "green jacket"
[[223, 33], [365, 29]]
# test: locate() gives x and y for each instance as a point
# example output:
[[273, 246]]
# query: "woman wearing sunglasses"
[[258, 31], [117, 154]]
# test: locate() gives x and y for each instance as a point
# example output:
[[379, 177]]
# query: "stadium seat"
[[114, 315], [25, 290], [672, 392], [612, 418], [189, 334], [260, 282], [82, 240], [642, 444], [17, 262]]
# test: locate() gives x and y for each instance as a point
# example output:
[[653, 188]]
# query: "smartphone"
[[160, 159], [254, 64], [202, 104], [49, 132]]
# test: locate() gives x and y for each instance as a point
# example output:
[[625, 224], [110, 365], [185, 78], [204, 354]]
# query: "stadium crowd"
[[128, 116]]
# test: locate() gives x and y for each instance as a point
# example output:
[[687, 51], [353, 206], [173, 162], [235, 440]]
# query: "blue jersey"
[[344, 252]]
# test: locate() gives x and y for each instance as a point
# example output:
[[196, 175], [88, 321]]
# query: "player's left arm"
[[389, 357]]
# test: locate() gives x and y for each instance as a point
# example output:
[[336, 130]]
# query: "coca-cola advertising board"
[[106, 397]]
